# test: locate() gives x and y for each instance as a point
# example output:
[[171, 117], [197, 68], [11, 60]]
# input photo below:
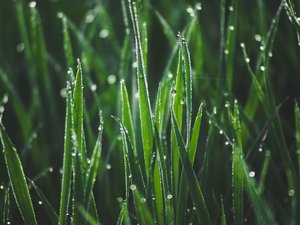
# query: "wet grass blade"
[[230, 43], [193, 184], [53, 217], [144, 101], [297, 121], [94, 165], [67, 161], [17, 179], [67, 44], [182, 197]]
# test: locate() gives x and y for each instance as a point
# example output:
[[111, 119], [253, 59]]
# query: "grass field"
[[150, 112]]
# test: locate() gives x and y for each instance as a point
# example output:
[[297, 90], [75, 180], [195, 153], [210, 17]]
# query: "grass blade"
[[46, 204], [194, 187], [17, 179], [67, 161]]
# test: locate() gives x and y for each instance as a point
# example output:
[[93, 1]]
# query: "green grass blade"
[[67, 44], [297, 121], [78, 114], [188, 81], [223, 216], [144, 101], [94, 165], [230, 43], [126, 113], [124, 216], [17, 179], [193, 184], [182, 197], [67, 161], [53, 217]]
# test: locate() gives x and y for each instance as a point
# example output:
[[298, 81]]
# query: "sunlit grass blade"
[[193, 184], [5, 209], [17, 179], [53, 217], [67, 161]]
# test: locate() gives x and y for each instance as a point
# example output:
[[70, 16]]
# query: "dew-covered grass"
[[149, 112]]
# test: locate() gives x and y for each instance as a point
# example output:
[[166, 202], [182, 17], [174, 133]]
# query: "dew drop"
[[226, 142], [40, 202], [89, 18], [134, 65], [247, 60], [1, 187], [221, 132], [142, 200], [230, 8], [170, 75], [136, 95], [50, 169], [20, 47], [198, 6], [119, 199], [252, 174], [270, 54], [132, 187], [215, 110], [226, 52], [257, 37], [1, 109], [73, 154], [181, 101], [262, 48], [262, 68], [32, 4], [111, 79], [93, 87], [60, 15], [108, 166], [104, 33], [169, 196], [5, 99], [231, 28], [63, 93], [291, 192], [242, 45], [130, 176]]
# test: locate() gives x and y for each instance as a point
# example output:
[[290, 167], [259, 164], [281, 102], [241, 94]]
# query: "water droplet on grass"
[[1, 187], [247, 60], [257, 37], [108, 166], [252, 174], [132, 187], [89, 18], [93, 87], [262, 68], [32, 4], [104, 33], [221, 132], [231, 28], [291, 192], [169, 196], [142, 200], [242, 45], [40, 202], [170, 75], [1, 109], [231, 8], [111, 79], [20, 47], [63, 93], [198, 6]]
